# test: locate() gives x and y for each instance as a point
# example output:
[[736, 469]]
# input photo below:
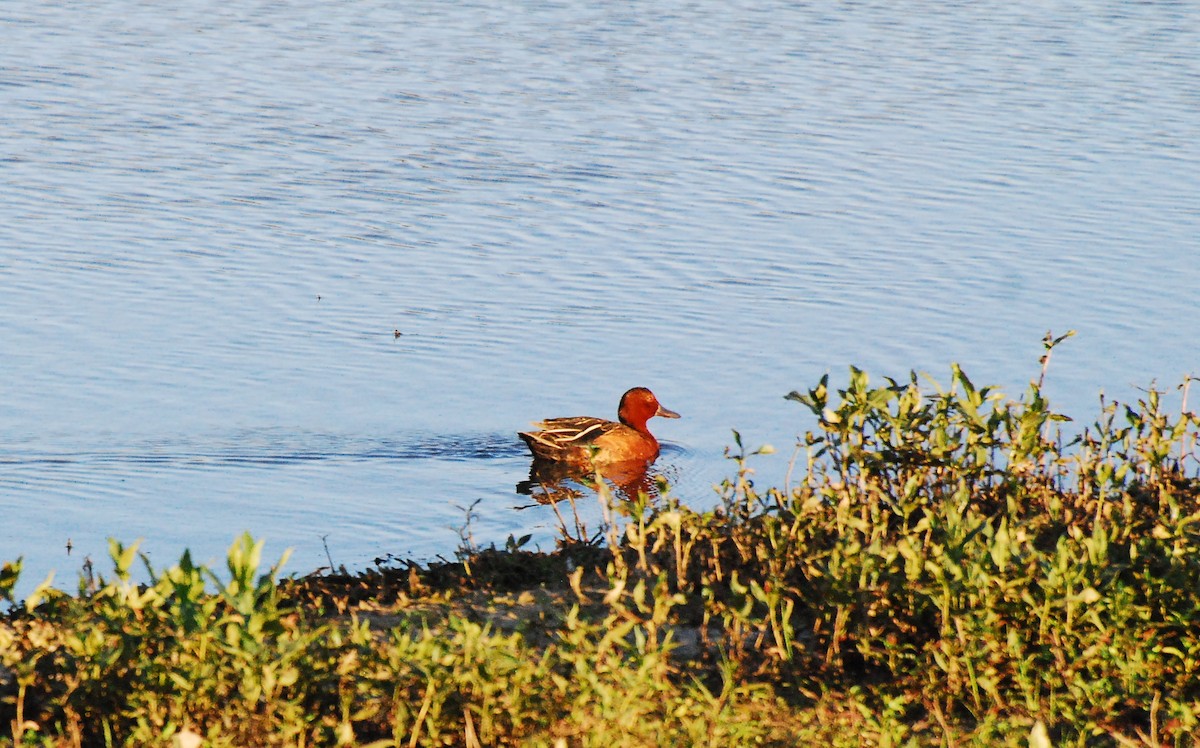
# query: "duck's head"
[[639, 405]]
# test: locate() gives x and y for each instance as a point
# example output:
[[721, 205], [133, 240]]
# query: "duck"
[[585, 441]]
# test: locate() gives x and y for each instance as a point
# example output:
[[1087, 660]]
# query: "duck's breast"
[[623, 444]]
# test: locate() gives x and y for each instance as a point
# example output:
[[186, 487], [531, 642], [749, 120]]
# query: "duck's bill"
[[665, 413]]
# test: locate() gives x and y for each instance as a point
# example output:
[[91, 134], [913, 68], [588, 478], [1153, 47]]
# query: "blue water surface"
[[215, 219]]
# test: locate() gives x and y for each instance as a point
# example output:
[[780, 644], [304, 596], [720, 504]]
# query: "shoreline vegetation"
[[943, 567]]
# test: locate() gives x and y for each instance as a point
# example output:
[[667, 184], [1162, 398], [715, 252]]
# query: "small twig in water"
[[787, 479], [465, 535], [324, 539], [1048, 343], [1187, 444]]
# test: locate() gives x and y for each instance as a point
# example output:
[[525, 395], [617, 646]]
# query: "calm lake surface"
[[215, 217]]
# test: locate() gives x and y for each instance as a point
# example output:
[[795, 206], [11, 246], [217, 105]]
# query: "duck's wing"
[[563, 433]]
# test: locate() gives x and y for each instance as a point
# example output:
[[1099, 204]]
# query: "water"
[[215, 219]]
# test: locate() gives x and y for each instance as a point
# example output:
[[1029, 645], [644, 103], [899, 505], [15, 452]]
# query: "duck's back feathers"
[[567, 438]]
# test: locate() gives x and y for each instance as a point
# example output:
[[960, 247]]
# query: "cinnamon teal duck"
[[584, 440]]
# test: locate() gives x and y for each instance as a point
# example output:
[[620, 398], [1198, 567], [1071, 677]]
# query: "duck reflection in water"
[[576, 449]]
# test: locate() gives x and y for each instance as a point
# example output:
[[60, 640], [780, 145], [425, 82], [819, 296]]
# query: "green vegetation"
[[946, 569]]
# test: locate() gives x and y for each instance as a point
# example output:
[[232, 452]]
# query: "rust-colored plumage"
[[584, 440]]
